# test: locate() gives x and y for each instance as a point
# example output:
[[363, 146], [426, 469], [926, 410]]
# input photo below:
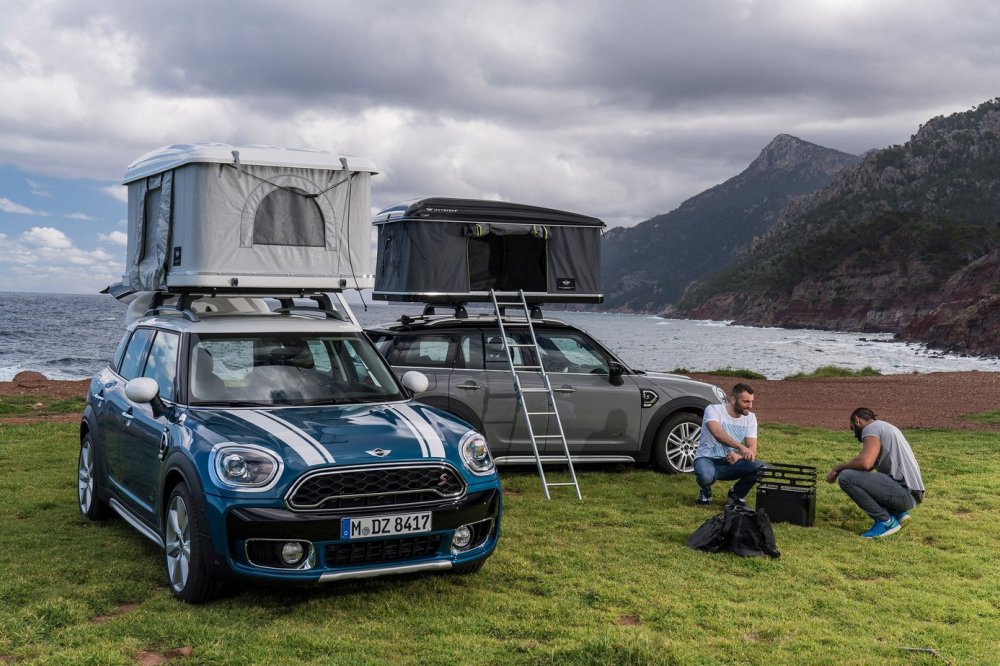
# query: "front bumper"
[[249, 530]]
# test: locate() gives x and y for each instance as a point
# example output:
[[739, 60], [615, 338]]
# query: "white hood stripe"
[[301, 433], [412, 428], [307, 448], [434, 444]]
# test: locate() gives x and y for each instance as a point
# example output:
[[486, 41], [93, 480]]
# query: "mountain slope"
[[648, 267], [905, 242]]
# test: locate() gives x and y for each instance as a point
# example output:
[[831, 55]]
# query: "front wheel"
[[183, 550], [88, 484], [676, 443]]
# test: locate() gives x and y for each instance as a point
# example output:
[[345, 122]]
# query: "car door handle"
[[128, 416], [99, 397], [468, 387], [565, 389]]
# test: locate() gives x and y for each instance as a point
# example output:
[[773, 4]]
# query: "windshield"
[[287, 369]]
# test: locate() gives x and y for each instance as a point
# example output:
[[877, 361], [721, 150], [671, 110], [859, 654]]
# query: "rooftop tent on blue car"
[[215, 215], [442, 250]]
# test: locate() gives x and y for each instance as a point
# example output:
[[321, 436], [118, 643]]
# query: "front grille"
[[388, 550], [371, 487]]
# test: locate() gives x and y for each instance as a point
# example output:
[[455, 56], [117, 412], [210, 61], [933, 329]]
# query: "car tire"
[[88, 483], [676, 442], [468, 567], [183, 550]]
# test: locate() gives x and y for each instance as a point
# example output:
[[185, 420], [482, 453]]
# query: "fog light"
[[292, 552], [462, 538]]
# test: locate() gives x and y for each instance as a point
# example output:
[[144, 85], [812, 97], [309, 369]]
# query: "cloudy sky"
[[620, 110]]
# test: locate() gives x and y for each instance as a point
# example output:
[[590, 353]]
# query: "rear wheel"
[[88, 484], [183, 550], [676, 442]]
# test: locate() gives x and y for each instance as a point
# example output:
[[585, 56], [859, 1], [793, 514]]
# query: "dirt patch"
[[121, 610], [629, 620], [933, 400], [156, 658]]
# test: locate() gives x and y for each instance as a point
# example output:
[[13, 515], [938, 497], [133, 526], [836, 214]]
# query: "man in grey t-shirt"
[[884, 479]]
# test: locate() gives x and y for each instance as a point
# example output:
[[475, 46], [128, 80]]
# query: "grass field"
[[608, 580]]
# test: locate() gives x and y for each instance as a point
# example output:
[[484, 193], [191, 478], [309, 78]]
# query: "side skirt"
[[132, 520]]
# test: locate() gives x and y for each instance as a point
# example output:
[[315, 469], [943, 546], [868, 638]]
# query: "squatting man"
[[884, 479], [727, 449]]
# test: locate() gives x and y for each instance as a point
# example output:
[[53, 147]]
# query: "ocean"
[[66, 336]]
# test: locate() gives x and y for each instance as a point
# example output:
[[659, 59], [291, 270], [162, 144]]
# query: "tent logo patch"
[[177, 255], [565, 284]]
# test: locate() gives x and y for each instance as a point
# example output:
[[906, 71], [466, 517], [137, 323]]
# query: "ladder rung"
[[534, 390], [548, 436], [568, 483], [527, 367], [540, 413], [521, 345]]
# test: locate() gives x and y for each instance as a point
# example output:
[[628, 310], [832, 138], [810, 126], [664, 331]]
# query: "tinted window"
[[495, 354], [425, 351], [568, 351], [116, 362], [135, 353], [161, 364], [470, 351]]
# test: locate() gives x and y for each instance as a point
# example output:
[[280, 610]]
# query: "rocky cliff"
[[905, 242], [649, 266]]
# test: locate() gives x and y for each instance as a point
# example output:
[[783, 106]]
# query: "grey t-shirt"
[[895, 457]]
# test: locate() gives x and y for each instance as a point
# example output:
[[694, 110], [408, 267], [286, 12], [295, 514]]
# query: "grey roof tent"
[[212, 215], [443, 250]]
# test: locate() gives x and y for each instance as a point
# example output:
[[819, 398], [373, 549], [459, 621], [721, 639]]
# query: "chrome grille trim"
[[309, 476]]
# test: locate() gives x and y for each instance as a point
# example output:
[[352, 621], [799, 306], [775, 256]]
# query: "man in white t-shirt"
[[727, 449]]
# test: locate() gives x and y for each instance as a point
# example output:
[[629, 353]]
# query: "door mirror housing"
[[145, 390], [416, 382], [615, 372]]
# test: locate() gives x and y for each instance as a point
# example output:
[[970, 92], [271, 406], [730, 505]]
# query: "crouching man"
[[884, 479], [727, 449]]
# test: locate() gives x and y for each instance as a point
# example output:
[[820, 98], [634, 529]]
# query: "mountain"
[[907, 241], [648, 267]]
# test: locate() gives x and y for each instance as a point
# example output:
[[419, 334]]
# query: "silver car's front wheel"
[[676, 443], [186, 571]]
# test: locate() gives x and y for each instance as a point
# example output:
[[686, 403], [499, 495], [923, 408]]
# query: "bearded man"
[[727, 449]]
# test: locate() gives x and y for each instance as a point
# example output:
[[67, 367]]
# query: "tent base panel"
[[437, 297], [264, 281]]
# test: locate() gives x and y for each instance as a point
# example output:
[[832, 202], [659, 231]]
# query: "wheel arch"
[[690, 404]]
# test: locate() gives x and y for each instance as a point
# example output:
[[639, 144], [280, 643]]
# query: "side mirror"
[[615, 372], [416, 382], [145, 390]]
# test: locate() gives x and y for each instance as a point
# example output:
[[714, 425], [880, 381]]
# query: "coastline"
[[931, 400]]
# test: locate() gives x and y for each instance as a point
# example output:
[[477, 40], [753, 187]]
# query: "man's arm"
[[724, 438], [863, 462]]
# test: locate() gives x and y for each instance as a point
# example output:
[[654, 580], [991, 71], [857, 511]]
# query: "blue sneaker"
[[704, 496], [880, 529], [902, 517]]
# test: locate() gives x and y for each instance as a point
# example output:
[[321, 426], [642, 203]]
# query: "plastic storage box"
[[787, 493]]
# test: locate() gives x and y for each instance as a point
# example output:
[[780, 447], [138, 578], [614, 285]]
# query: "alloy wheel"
[[178, 543], [681, 443], [85, 477]]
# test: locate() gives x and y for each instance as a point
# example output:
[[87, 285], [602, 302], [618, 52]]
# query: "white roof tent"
[[442, 250], [212, 215]]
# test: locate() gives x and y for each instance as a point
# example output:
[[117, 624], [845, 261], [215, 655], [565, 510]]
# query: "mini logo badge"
[[565, 284], [379, 453]]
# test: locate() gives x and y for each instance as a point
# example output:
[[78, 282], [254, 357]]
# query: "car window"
[[470, 351], [568, 351], [135, 353], [496, 357], [425, 351], [161, 364], [116, 361], [382, 342], [288, 369]]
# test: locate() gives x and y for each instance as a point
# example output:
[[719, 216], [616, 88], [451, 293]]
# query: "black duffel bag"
[[738, 529]]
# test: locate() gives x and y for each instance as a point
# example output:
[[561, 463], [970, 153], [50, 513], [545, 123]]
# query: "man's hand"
[[732, 457], [749, 454], [832, 475]]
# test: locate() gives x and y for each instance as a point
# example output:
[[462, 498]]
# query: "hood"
[[679, 385], [343, 434]]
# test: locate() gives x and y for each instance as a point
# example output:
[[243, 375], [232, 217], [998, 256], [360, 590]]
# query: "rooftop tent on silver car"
[[215, 215], [456, 250]]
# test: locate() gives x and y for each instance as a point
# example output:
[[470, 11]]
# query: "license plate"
[[376, 526]]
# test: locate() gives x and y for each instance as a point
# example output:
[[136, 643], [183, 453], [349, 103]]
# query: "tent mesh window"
[[507, 263], [288, 216]]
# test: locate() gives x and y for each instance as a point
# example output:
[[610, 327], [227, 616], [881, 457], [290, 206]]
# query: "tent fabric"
[[212, 224], [438, 250]]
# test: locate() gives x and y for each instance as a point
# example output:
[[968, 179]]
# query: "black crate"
[[787, 493]]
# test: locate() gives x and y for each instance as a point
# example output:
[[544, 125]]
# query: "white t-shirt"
[[738, 428]]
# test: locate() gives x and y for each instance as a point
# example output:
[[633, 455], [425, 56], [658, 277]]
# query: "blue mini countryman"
[[278, 446]]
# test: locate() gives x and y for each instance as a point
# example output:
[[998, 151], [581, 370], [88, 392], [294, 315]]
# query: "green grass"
[[724, 372], [608, 580], [989, 418], [836, 371], [32, 405]]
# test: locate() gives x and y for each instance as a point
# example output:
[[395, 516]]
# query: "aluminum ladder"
[[517, 300]]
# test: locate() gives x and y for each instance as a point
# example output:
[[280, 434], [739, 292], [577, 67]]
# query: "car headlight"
[[720, 394], [476, 454], [246, 466]]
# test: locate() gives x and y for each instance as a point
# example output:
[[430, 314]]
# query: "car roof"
[[247, 323], [423, 322]]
